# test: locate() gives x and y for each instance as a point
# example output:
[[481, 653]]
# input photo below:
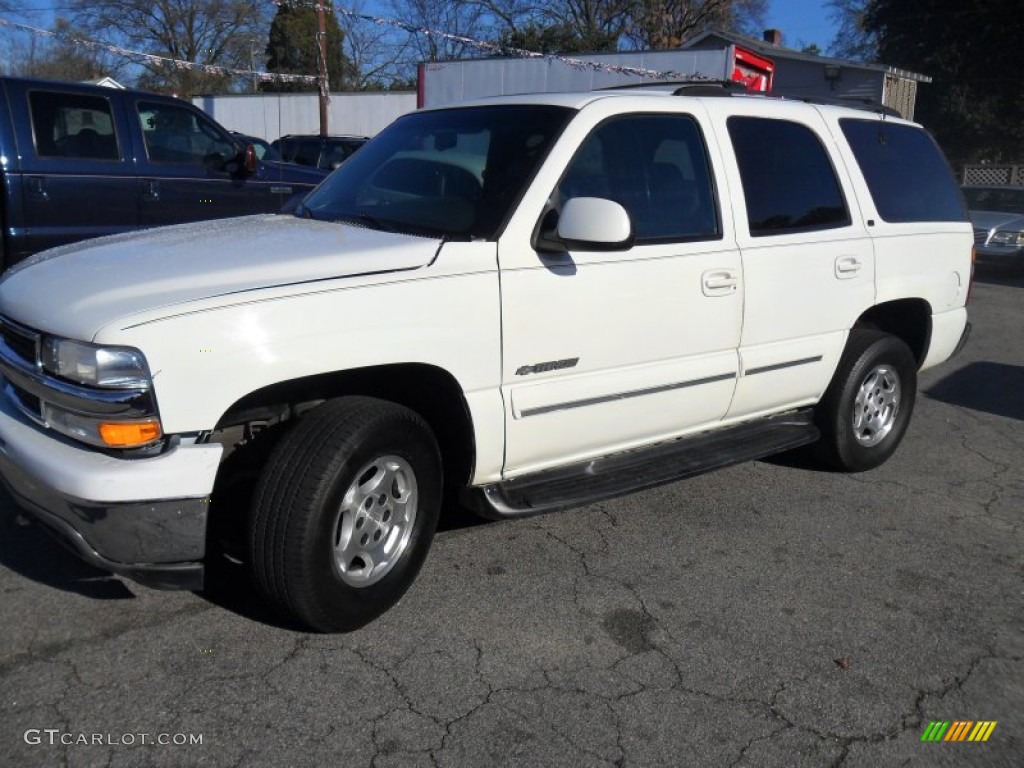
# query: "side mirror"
[[587, 224], [249, 161]]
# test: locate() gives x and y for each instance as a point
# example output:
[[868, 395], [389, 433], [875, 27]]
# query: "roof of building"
[[764, 48]]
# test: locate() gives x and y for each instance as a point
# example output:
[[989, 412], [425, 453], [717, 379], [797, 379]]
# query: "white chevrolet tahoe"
[[533, 301]]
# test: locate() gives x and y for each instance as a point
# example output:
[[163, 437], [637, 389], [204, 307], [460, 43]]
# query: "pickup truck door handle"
[[151, 190], [847, 267], [37, 187], [719, 282]]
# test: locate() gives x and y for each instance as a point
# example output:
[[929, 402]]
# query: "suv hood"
[[77, 289]]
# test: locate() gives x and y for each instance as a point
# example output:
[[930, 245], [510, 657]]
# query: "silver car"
[[997, 214]]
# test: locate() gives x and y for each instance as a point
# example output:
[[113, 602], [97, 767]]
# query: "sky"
[[802, 21]]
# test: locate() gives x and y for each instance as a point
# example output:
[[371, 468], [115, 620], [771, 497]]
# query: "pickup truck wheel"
[[867, 407], [344, 512]]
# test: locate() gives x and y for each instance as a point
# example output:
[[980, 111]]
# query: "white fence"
[[271, 115], [994, 174]]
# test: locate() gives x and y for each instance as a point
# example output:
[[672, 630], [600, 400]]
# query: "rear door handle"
[[847, 267], [719, 282]]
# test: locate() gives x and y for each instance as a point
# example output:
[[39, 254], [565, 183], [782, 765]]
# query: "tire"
[[344, 513], [867, 407]]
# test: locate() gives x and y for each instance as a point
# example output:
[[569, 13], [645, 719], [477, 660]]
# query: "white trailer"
[[447, 82]]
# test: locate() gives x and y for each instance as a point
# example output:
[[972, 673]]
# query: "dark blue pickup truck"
[[79, 161]]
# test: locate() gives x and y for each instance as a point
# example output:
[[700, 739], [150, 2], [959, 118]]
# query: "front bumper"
[[142, 518], [999, 256]]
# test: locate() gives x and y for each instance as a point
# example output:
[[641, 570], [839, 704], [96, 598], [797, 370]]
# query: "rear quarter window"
[[906, 173]]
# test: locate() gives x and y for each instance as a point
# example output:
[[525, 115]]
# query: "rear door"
[[808, 260], [77, 164]]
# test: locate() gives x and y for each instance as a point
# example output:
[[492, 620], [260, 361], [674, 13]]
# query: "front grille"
[[29, 403], [21, 341], [980, 236]]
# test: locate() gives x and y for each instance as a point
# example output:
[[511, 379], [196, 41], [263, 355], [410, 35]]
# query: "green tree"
[[973, 105], [292, 48]]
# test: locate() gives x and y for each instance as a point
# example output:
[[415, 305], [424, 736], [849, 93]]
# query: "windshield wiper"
[[368, 219]]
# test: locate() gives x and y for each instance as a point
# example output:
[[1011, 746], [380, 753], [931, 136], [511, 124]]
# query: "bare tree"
[[377, 53], [456, 19], [853, 40], [663, 24], [592, 19], [210, 32]]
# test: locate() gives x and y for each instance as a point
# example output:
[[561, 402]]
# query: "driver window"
[[654, 166], [177, 135]]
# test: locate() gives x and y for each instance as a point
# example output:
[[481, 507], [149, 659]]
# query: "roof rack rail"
[[685, 87], [853, 102]]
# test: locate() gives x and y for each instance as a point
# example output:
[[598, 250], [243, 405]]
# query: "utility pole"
[[323, 85], [252, 64]]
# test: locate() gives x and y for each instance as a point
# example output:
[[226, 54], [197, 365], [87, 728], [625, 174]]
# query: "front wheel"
[[867, 407], [344, 512]]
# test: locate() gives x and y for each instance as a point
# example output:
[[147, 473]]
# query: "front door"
[[182, 171], [604, 351]]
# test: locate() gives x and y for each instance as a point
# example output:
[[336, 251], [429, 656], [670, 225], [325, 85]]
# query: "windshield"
[[452, 173], [1003, 200]]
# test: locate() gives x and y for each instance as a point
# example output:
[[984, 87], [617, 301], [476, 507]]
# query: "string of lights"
[[151, 58]]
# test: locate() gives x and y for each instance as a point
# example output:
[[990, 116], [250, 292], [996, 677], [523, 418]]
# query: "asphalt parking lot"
[[764, 615]]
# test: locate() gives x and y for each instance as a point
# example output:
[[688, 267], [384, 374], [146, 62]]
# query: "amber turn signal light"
[[122, 434]]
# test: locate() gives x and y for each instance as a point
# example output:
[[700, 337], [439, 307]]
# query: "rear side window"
[[789, 183], [73, 125], [301, 151], [906, 173]]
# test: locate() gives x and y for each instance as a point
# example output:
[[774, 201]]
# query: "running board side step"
[[630, 471]]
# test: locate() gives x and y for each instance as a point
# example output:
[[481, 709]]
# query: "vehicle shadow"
[[27, 549], [996, 276], [989, 387], [229, 585]]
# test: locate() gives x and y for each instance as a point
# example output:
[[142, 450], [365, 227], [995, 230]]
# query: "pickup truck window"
[[73, 125], [656, 167], [789, 183], [178, 135], [454, 173]]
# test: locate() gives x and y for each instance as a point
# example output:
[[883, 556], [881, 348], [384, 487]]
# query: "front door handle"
[[719, 282], [847, 267], [151, 190], [37, 188]]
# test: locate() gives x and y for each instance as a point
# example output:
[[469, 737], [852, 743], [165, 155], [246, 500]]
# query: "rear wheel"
[[867, 407], [344, 512]]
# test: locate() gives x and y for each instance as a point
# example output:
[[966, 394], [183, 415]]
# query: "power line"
[[151, 58]]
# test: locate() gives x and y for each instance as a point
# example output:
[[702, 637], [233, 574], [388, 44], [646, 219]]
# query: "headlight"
[[95, 366], [1014, 239]]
